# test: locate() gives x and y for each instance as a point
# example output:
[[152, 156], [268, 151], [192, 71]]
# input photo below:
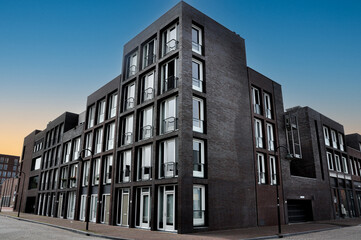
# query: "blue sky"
[[54, 53]]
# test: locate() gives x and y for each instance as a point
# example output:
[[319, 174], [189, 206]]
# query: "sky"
[[53, 54]]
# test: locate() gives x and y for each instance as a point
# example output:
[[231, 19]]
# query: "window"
[[144, 170], [337, 163], [127, 130], [76, 149], [73, 175], [329, 161], [344, 163], [35, 165], [88, 144], [98, 140], [66, 152], [198, 115], [256, 100], [101, 111], [56, 176], [132, 65], [96, 171], [112, 105], [270, 137], [148, 87], [82, 207], [105, 213], [197, 75], [169, 115], [326, 135], [146, 123], [261, 169], [168, 159], [334, 139], [360, 146], [93, 208], [85, 173], [351, 166], [170, 42], [198, 158], [166, 207], [63, 177], [109, 144], [356, 168], [196, 39], [33, 182], [143, 207], [273, 170], [126, 166], [199, 204], [149, 53], [71, 205], [91, 116], [340, 140], [107, 174], [258, 133], [267, 105], [169, 75], [129, 96]]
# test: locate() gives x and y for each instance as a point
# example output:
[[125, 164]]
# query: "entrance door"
[[169, 210], [125, 207], [144, 208], [106, 208]]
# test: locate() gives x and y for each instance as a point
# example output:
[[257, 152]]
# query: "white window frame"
[[85, 173], [73, 173], [104, 208], [110, 136], [351, 166], [147, 123], [71, 205], [101, 111], [270, 137], [170, 157], [144, 192], [98, 140], [167, 38], [165, 73], [83, 198], [326, 134], [330, 161], [268, 105], [340, 140], [93, 208], [127, 161], [345, 167], [258, 133], [261, 168], [169, 110], [146, 53], [195, 80], [334, 139], [132, 64], [256, 96], [88, 144], [67, 152], [76, 148], [337, 163], [163, 215], [198, 122], [128, 130], [148, 86], [113, 102], [91, 116], [197, 46], [199, 174], [96, 172], [129, 102], [202, 198], [145, 162], [273, 170], [107, 169]]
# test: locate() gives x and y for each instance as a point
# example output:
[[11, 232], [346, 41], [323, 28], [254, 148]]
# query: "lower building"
[[8, 192]]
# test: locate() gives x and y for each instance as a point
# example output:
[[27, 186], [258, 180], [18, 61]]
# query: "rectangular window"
[[355, 167], [93, 208], [344, 164], [267, 105], [126, 166], [112, 105], [96, 171], [256, 100], [143, 207], [351, 166], [326, 135], [168, 159], [105, 208], [109, 144], [91, 116], [85, 173], [273, 170], [73, 175], [196, 39], [101, 111], [123, 207], [148, 87], [198, 114], [88, 144], [66, 152], [169, 115], [199, 205], [270, 137], [76, 148], [169, 75], [330, 161], [334, 139], [197, 75], [33, 182], [258, 133], [63, 177], [261, 169], [146, 123], [170, 42], [71, 205], [340, 140], [132, 65], [98, 140], [198, 158], [149, 53], [127, 137], [82, 207], [56, 176], [35, 165], [166, 207], [144, 163], [108, 165], [129, 96]]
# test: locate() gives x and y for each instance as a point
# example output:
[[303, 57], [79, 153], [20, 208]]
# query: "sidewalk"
[[131, 233]]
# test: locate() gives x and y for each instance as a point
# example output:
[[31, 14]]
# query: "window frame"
[[200, 39]]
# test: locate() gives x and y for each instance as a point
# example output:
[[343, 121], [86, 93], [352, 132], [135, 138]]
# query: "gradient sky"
[[53, 54]]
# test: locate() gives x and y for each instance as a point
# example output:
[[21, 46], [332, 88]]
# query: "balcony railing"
[[132, 70], [129, 103], [149, 60], [126, 174], [197, 84], [169, 124], [146, 132], [148, 94], [169, 83], [146, 173], [171, 45], [170, 169], [127, 138]]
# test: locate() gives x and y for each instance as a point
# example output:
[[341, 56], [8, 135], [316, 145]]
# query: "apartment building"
[[9, 167], [8, 192]]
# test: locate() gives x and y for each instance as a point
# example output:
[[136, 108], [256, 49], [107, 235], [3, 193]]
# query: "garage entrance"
[[299, 211]]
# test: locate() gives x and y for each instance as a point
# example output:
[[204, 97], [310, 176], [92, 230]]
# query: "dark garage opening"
[[299, 211], [30, 205]]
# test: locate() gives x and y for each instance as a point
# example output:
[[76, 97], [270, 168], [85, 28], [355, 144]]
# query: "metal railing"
[[129, 103], [126, 174], [197, 83], [146, 173], [148, 94], [170, 83], [148, 60], [127, 138], [146, 132], [170, 169], [169, 124], [132, 70], [170, 46]]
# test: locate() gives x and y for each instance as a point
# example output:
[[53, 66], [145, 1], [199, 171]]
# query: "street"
[[14, 229], [346, 233]]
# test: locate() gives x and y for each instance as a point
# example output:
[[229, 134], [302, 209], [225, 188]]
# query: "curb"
[[65, 228]]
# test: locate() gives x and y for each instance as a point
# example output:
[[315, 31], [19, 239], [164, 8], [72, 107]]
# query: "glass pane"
[[197, 203], [194, 35], [145, 208], [169, 209], [195, 70], [196, 109]]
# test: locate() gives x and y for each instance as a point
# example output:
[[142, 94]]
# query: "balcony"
[[169, 84], [169, 125], [170, 46], [127, 138], [149, 60], [169, 170], [132, 70], [146, 132], [148, 94], [129, 103]]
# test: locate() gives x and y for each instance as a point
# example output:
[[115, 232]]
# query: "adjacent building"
[[8, 192]]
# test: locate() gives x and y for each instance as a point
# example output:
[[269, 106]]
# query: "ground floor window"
[[105, 208], [166, 207], [199, 200], [93, 208], [82, 207], [60, 205], [71, 205], [143, 207], [123, 207]]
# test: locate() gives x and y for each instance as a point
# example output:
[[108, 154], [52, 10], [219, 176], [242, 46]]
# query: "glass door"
[[125, 207]]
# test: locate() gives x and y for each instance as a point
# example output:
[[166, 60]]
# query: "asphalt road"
[[15, 229], [346, 233]]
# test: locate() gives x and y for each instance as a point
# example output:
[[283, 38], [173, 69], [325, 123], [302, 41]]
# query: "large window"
[[35, 165], [169, 38], [63, 177], [88, 144], [109, 144], [326, 135], [146, 123], [85, 173], [197, 75], [334, 139], [125, 166], [256, 100], [73, 175], [169, 75], [199, 205], [149, 53], [101, 111], [340, 140], [143, 207], [148, 87], [144, 163], [337, 163], [66, 152], [96, 171], [93, 208], [198, 114], [169, 115], [33, 182], [71, 204], [168, 158], [129, 96], [196, 39], [132, 65], [82, 207], [76, 148], [98, 140], [127, 136], [268, 105], [112, 105], [166, 207], [258, 133], [91, 116], [330, 161], [270, 137], [198, 158], [344, 165], [273, 170], [107, 169], [261, 167]]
